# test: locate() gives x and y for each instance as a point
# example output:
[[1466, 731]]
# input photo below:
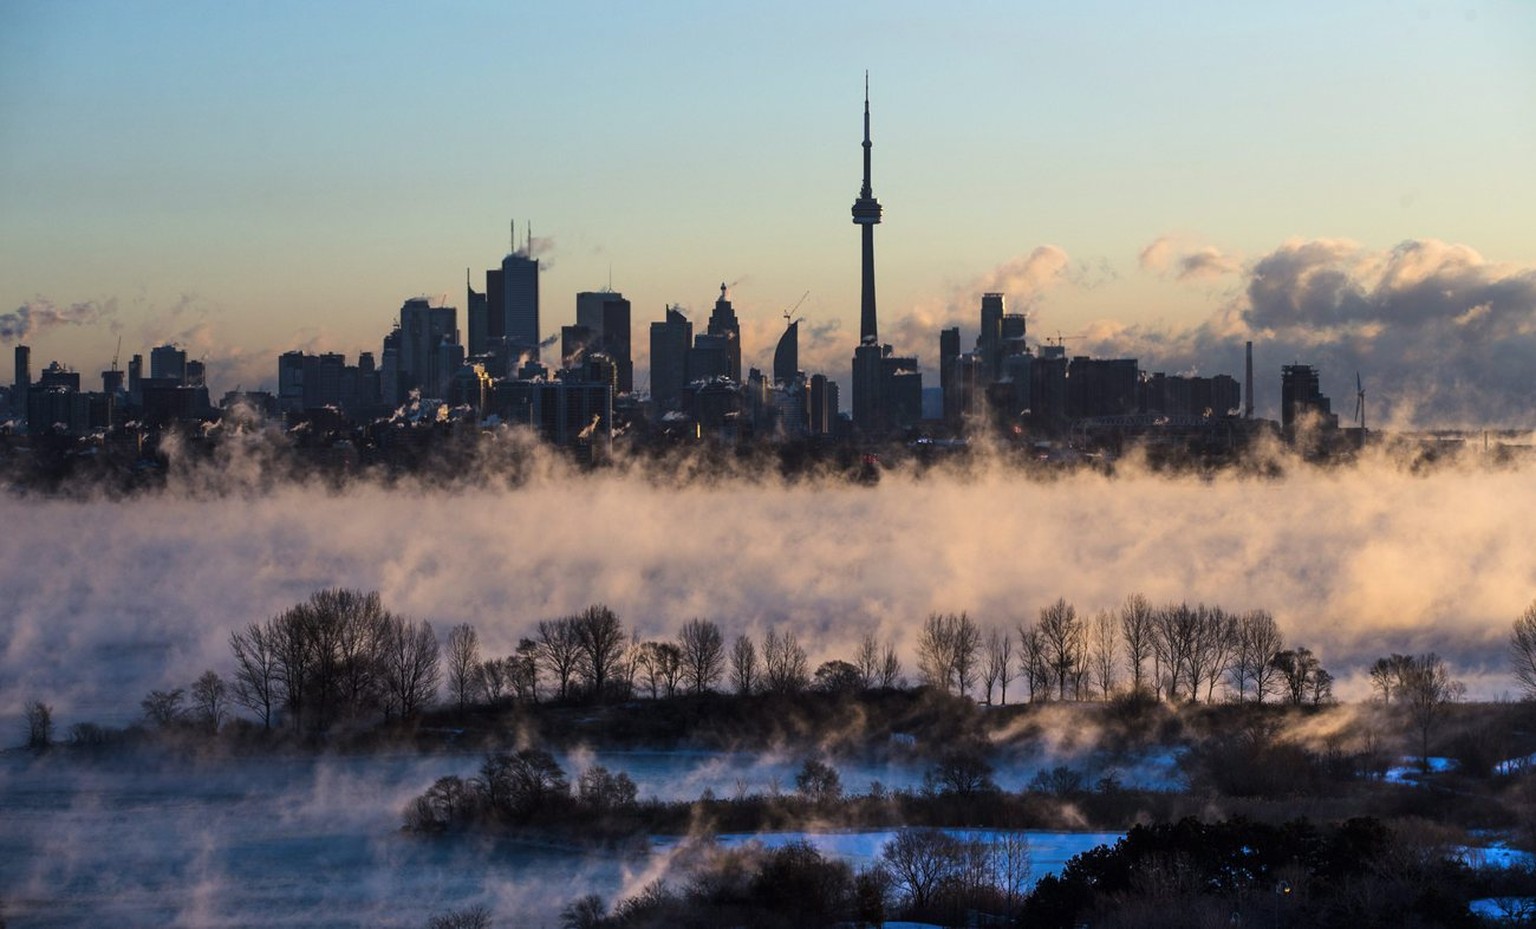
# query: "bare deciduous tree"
[[997, 665], [1103, 665], [1426, 690], [784, 663], [210, 699], [560, 650], [412, 669], [1062, 638], [744, 666], [1252, 667], [39, 722], [1137, 632], [703, 649], [463, 661], [257, 685], [946, 651], [600, 639], [1522, 651]]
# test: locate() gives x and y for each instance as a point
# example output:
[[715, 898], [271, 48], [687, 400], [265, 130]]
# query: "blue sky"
[[251, 177]]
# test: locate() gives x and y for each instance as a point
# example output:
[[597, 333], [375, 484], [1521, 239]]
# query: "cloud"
[[40, 314], [1165, 255], [1024, 281], [1440, 335]]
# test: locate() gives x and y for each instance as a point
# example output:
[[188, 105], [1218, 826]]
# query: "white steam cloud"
[[108, 599], [40, 314], [1441, 336]]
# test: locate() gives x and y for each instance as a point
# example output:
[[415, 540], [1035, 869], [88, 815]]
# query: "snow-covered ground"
[[1409, 771], [1517, 910]]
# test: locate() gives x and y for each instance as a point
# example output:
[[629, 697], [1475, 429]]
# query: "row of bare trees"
[[589, 656], [1173, 652], [337, 656]]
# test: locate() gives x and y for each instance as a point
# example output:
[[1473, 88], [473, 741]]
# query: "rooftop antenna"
[[610, 277], [1359, 401], [512, 236]]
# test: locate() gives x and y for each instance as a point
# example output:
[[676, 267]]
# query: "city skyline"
[[1085, 188]]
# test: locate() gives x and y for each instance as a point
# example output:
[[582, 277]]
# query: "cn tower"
[[866, 213], [869, 407]]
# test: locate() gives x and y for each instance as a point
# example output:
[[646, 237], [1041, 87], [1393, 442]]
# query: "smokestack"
[[1248, 385]]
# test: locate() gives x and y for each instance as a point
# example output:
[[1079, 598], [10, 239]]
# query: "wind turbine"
[[1359, 402]]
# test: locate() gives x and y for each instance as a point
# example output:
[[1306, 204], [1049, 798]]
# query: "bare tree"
[[1297, 669], [210, 699], [1136, 631], [922, 861], [784, 663], [1210, 649], [1032, 663], [1062, 636], [560, 650], [523, 671], [1522, 651], [890, 667], [412, 669], [492, 680], [601, 639], [997, 665], [1427, 690], [1252, 667], [1387, 674], [868, 660], [947, 649], [257, 686], [163, 708], [39, 720], [744, 666], [1103, 665], [703, 649], [463, 660]]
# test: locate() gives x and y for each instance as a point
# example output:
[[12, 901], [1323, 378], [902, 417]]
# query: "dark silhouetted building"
[[605, 314], [1301, 396], [723, 324], [426, 350], [671, 340], [168, 363], [786, 355]]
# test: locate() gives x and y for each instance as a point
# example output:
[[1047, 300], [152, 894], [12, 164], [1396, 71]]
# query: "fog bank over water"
[[104, 600]]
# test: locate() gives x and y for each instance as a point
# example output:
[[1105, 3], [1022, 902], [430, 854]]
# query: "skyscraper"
[[670, 341], [605, 315], [786, 356], [520, 303], [722, 322], [868, 409]]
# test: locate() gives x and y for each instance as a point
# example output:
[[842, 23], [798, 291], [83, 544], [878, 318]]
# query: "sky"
[[1348, 185]]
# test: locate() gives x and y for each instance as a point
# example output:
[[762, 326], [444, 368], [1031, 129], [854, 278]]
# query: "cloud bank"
[[1441, 336], [106, 600]]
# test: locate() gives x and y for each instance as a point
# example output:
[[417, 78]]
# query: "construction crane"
[[1061, 339], [1359, 401], [116, 352], [791, 311]]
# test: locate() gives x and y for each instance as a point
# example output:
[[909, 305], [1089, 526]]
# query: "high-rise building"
[[23, 372], [786, 355], [722, 323], [520, 304], [949, 355], [422, 363], [478, 319], [168, 362], [989, 341], [606, 316], [670, 342]]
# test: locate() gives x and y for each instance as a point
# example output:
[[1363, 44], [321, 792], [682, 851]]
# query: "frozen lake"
[[304, 841]]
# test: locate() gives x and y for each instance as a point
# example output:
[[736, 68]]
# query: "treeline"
[[1175, 652], [340, 657]]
